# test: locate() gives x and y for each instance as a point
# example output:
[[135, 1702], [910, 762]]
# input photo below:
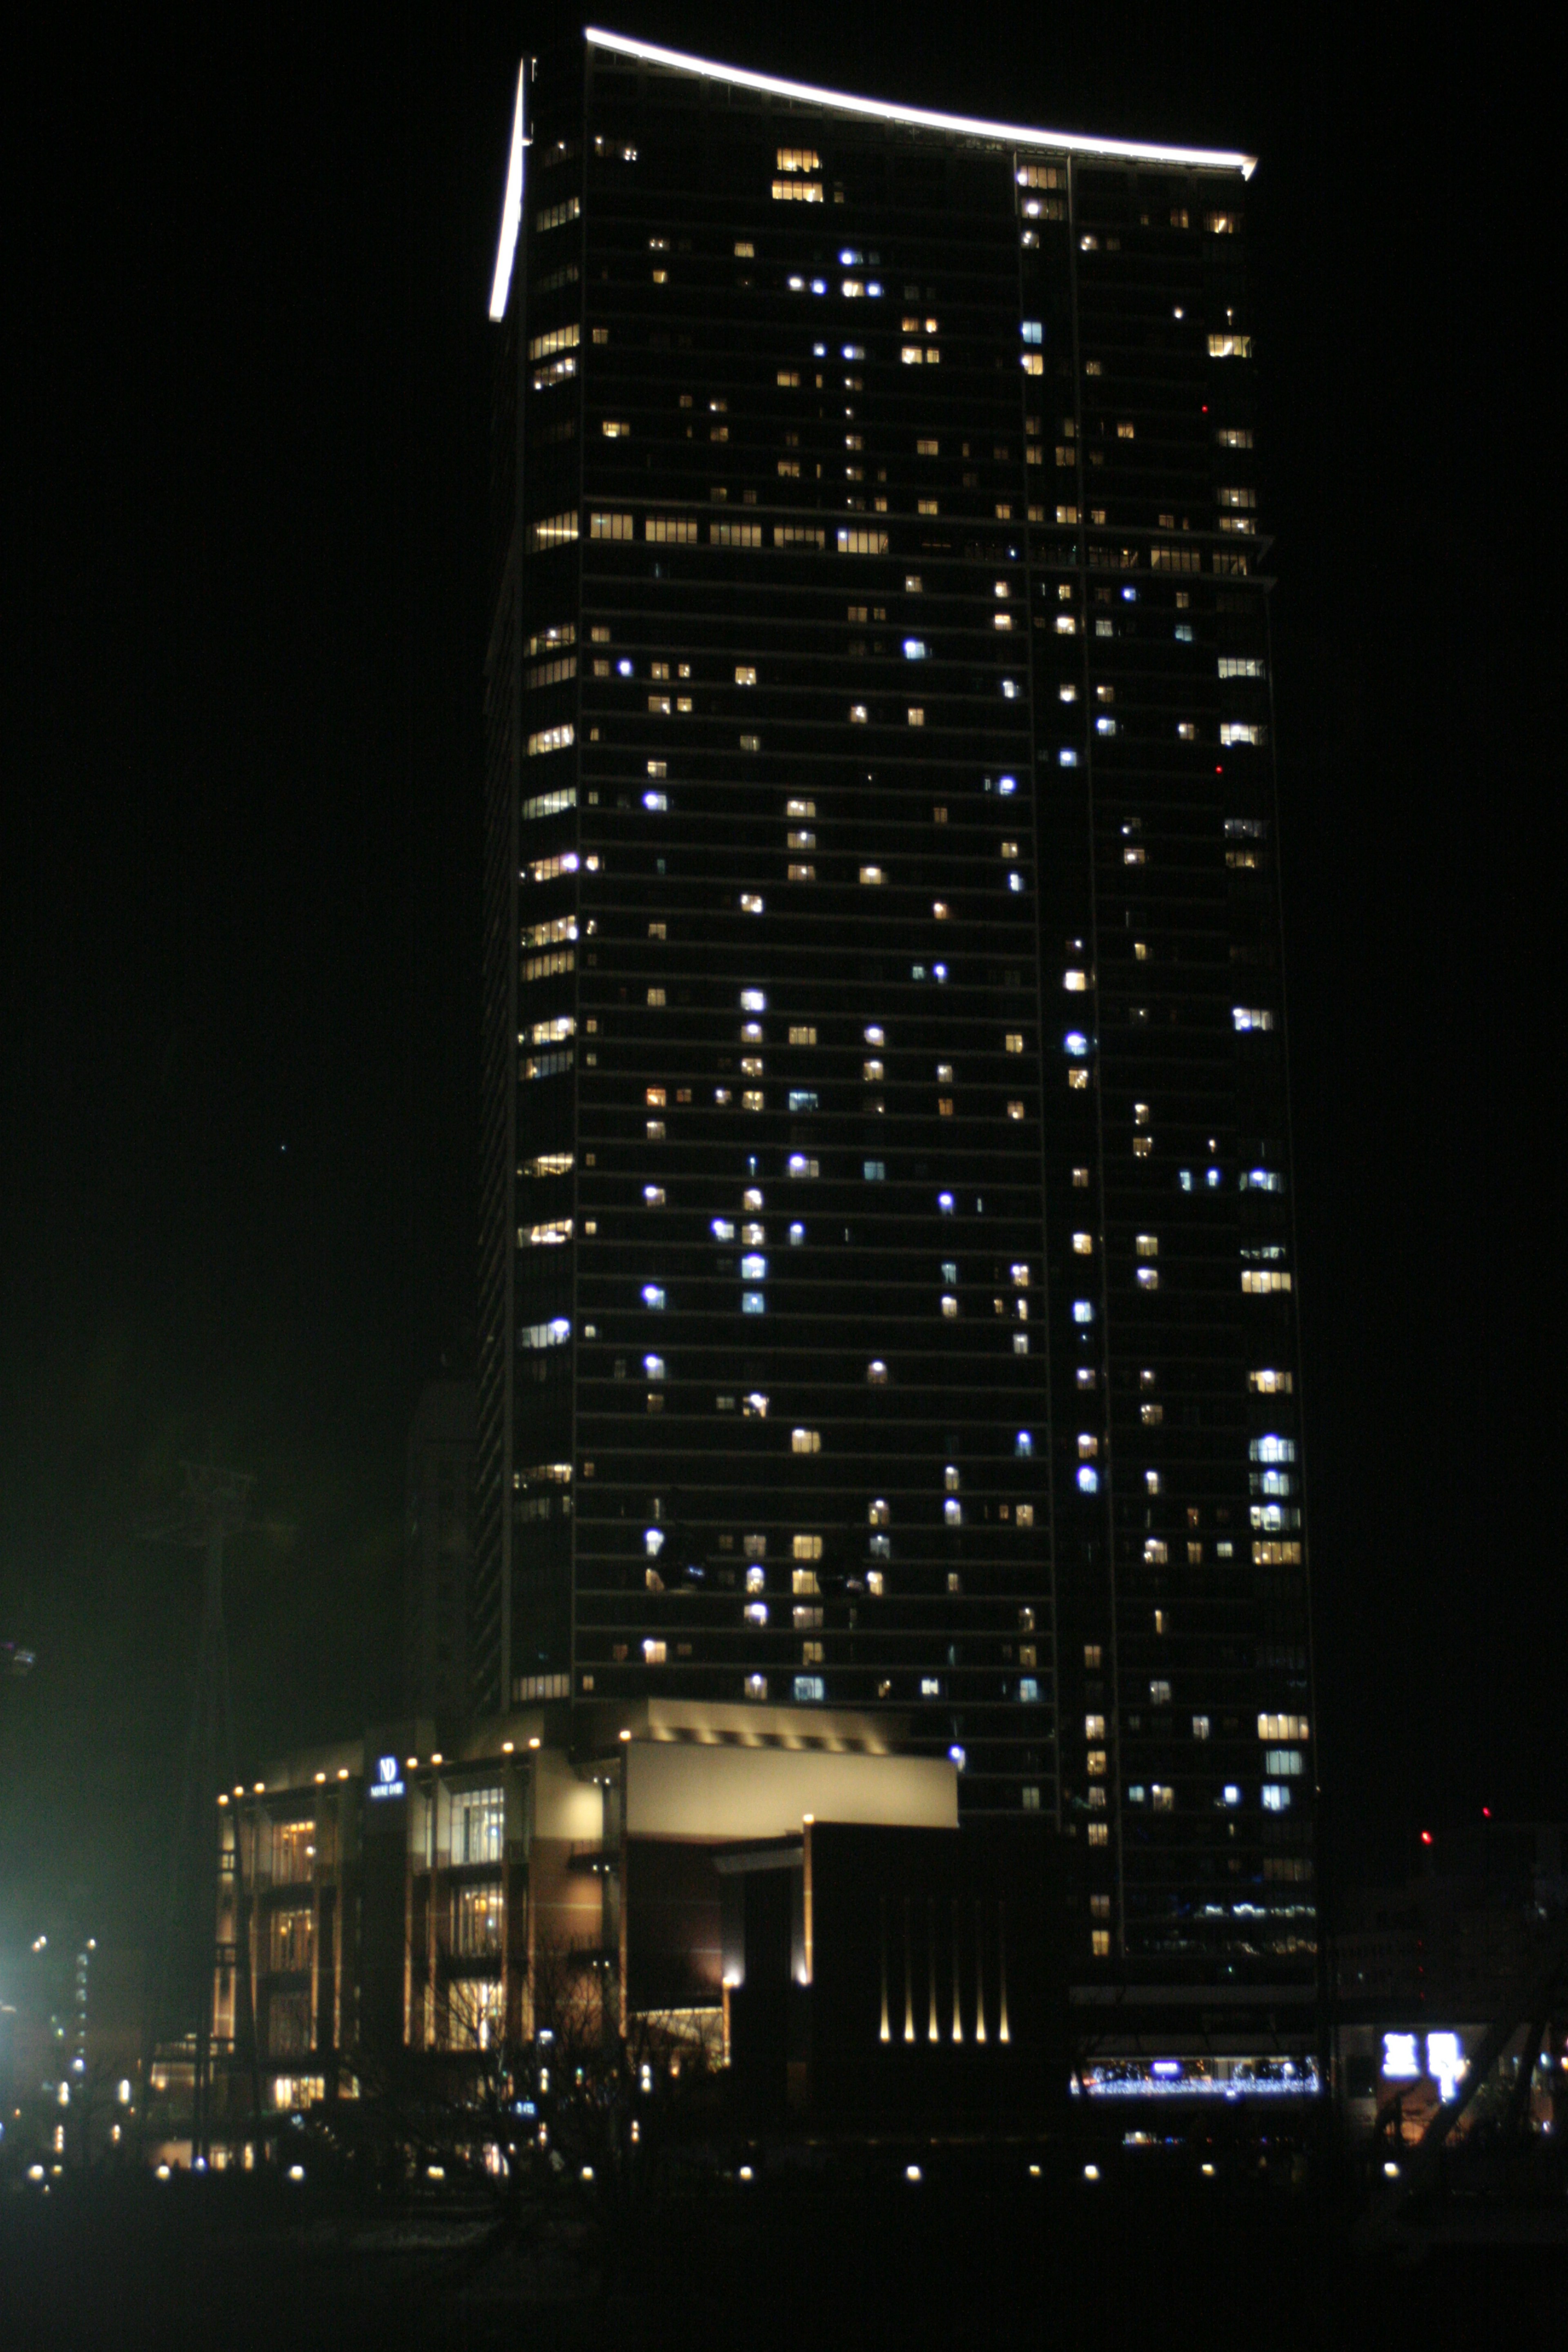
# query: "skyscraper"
[[887, 1274]]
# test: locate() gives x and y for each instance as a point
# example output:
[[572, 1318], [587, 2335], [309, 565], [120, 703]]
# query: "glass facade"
[[886, 1262]]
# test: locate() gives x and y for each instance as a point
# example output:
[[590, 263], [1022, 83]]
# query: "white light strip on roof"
[[1072, 142], [512, 208]]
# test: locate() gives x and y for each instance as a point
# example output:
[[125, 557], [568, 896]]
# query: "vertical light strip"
[[979, 1977], [885, 2035], [909, 1978], [933, 2031], [957, 1995], [512, 208]]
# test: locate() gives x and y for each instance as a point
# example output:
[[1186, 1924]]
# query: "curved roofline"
[[919, 118]]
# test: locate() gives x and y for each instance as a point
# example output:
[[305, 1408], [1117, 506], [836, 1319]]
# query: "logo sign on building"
[[387, 1781]]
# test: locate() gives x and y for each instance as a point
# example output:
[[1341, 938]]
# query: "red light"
[[1425, 1837], [1486, 1812], [1206, 408]]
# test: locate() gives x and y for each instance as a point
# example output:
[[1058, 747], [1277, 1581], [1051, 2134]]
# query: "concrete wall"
[[677, 1790]]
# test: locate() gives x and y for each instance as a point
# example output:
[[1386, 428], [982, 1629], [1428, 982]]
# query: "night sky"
[[246, 491]]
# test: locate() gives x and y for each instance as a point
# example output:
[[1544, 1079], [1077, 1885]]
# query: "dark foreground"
[[826, 2253]]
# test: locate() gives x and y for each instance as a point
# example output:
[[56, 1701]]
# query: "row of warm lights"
[[508, 1747]]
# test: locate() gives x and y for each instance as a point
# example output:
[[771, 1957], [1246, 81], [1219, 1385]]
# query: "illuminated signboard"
[[387, 1781]]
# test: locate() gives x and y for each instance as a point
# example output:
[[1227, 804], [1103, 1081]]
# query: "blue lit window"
[[1029, 1689], [1275, 1796], [818, 350], [939, 971], [656, 800], [810, 1686], [1015, 882], [849, 259], [796, 1236], [723, 1231], [1032, 330], [1006, 784], [957, 1756], [1076, 1042], [1231, 1794], [1184, 633], [819, 285], [1215, 1180], [1067, 758], [754, 1000], [624, 668], [929, 1686], [753, 1269], [1130, 595], [1261, 1180], [915, 649], [652, 1295], [944, 1203], [1082, 1311], [1088, 1478], [752, 1303], [803, 1098], [653, 1367], [875, 1170], [1024, 1443], [1186, 1180], [653, 1541]]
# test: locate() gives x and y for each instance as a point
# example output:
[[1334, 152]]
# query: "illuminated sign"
[[1446, 2063], [1401, 2059], [387, 1780], [1445, 2055]]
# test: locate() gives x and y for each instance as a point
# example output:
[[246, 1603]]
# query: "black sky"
[[245, 525]]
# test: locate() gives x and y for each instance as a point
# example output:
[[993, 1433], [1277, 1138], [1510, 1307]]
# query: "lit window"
[[805, 1441], [1282, 1727]]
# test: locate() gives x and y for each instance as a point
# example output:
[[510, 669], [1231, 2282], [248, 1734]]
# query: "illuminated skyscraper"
[[887, 1235]]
